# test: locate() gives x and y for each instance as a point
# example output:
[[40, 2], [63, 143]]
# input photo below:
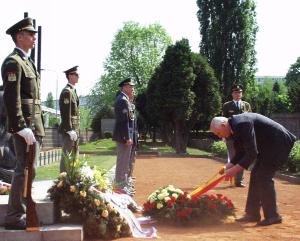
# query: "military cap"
[[71, 70], [127, 81], [25, 24], [237, 87]]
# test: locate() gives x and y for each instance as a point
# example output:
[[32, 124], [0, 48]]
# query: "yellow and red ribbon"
[[212, 182]]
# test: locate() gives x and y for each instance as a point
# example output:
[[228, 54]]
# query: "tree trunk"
[[181, 137]]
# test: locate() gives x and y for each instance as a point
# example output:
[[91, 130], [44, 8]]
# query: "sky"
[[76, 32]]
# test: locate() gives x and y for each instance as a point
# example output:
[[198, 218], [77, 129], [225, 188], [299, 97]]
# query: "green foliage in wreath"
[[79, 192]]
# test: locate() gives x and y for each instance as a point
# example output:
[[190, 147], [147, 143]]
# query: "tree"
[[293, 84], [174, 97], [228, 30], [206, 89], [268, 98], [136, 51], [49, 100]]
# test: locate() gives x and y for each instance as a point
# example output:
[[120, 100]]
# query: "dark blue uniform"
[[123, 131], [266, 144]]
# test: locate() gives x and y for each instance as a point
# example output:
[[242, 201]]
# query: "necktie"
[[237, 105]]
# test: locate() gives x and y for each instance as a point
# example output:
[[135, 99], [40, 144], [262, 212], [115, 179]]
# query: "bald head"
[[220, 127]]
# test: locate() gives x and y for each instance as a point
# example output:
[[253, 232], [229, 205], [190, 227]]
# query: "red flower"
[[212, 206], [149, 206]]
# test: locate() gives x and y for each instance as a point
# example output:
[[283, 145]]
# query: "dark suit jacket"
[[258, 137], [124, 118]]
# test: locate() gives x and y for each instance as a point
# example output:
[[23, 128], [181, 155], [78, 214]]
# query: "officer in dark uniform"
[[23, 107], [230, 108], [135, 135], [70, 117], [123, 134]]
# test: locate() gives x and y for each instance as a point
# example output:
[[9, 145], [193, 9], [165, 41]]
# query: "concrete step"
[[45, 207], [57, 232], [45, 210]]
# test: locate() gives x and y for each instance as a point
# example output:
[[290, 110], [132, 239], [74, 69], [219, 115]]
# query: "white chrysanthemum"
[[171, 188], [87, 172], [161, 197], [179, 191], [175, 195], [159, 205]]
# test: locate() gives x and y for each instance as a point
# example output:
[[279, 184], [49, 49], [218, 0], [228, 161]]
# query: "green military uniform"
[[230, 108], [23, 107], [21, 89], [69, 109], [70, 120]]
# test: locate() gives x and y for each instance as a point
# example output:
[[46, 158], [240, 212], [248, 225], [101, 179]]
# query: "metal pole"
[[39, 50]]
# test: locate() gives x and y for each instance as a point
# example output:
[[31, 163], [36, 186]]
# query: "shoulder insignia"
[[11, 76], [66, 101], [124, 111]]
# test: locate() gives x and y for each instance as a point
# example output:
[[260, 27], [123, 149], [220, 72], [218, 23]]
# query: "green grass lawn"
[[51, 171], [106, 157]]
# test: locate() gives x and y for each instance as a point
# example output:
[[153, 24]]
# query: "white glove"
[[73, 135], [28, 135]]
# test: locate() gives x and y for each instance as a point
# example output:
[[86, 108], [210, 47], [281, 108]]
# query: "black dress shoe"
[[240, 184], [20, 225], [270, 221], [248, 218]]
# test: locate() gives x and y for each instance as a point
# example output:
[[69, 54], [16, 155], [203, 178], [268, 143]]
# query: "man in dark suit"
[[123, 134], [23, 107], [262, 145], [230, 108], [70, 116]]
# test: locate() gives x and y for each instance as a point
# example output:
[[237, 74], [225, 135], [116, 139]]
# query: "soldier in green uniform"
[[23, 107], [70, 117], [234, 107]]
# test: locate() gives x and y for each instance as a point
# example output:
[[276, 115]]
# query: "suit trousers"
[[16, 204], [231, 152], [67, 151], [122, 164], [261, 191]]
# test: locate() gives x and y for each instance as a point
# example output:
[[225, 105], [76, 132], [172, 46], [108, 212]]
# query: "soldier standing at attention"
[[123, 134], [230, 108], [70, 116], [23, 106]]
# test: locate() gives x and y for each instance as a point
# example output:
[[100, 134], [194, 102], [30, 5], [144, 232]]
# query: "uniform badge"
[[124, 111], [66, 101], [11, 76]]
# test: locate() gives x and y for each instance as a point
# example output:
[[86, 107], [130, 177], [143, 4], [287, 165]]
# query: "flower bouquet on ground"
[[74, 193], [4, 188], [172, 204]]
